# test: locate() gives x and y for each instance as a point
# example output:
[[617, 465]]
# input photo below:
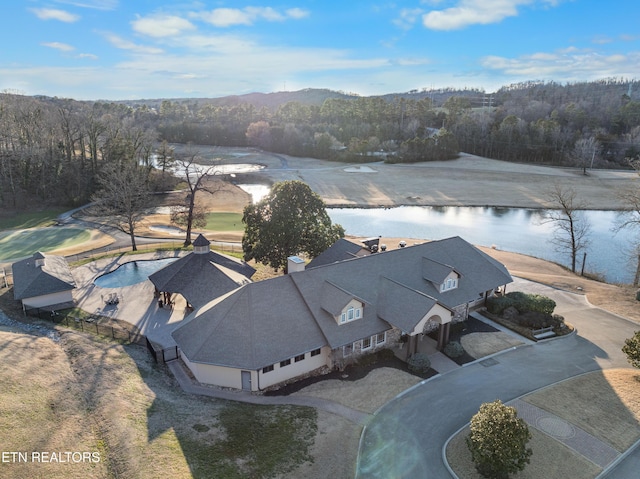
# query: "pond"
[[131, 273], [509, 229]]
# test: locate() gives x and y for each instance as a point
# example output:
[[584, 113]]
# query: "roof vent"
[[295, 264]]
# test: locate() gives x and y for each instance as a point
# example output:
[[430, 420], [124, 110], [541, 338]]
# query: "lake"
[[509, 229]]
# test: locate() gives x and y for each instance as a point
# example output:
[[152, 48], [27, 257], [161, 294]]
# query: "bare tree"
[[571, 228], [123, 196], [585, 152], [195, 175], [630, 218]]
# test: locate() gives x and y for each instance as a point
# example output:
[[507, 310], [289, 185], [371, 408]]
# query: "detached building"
[[43, 281], [270, 332]]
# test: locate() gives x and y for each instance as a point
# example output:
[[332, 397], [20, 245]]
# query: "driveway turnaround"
[[405, 438]]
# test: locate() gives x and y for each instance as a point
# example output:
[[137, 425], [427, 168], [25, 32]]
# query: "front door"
[[246, 380]]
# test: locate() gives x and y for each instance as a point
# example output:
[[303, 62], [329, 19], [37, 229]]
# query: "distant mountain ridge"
[[308, 96]]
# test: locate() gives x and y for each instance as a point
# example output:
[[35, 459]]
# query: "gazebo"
[[201, 276]]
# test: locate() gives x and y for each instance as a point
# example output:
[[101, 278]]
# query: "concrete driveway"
[[405, 439]]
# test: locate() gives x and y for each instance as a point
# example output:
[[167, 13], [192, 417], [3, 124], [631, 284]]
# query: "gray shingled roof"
[[401, 306], [435, 271], [339, 251], [252, 327], [202, 277], [31, 280], [265, 322]]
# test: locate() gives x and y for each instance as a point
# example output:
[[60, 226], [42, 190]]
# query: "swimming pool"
[[132, 272]]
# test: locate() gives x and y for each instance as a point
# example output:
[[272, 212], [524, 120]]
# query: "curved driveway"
[[406, 436]]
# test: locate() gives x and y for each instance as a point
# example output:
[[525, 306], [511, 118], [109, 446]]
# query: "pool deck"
[[137, 304]]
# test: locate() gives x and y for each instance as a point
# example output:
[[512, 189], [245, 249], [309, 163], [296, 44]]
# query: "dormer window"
[[450, 283], [351, 313]]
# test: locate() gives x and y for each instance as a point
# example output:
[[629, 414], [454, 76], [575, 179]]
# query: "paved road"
[[406, 437]]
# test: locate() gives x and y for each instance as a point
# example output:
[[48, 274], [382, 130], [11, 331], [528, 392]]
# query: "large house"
[[270, 332], [43, 281]]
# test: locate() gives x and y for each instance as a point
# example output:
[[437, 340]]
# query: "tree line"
[[56, 150]]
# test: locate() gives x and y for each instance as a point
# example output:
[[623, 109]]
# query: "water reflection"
[[511, 229]]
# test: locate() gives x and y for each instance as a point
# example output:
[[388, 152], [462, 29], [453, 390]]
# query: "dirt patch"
[[43, 410]]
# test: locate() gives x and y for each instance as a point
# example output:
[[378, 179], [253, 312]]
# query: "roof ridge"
[[306, 304]]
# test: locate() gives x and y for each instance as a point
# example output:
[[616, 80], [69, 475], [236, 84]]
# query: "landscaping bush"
[[497, 305], [523, 302], [537, 320], [498, 440], [419, 363], [454, 349]]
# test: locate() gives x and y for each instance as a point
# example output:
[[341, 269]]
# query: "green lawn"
[[33, 219], [224, 222], [21, 243]]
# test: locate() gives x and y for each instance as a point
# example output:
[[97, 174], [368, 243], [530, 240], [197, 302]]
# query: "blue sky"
[[125, 49]]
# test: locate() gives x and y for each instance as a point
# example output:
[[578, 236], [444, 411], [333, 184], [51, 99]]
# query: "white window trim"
[[370, 339], [384, 338], [451, 283], [350, 314]]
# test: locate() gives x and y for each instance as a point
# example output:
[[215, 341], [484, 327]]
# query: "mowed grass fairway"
[[21, 243], [33, 219], [88, 394], [224, 222]]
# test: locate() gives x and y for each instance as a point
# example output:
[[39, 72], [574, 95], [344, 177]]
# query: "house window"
[[451, 283], [366, 343], [299, 358], [350, 314], [267, 369], [284, 363], [315, 352], [347, 349], [381, 338]]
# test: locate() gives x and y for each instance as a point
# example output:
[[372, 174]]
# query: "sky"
[[135, 49]]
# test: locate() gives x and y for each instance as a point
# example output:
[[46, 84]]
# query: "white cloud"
[[162, 25], [568, 64], [472, 12], [407, 18], [54, 14], [297, 13], [226, 17], [95, 4], [59, 46], [123, 44]]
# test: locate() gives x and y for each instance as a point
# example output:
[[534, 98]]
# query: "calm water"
[[508, 229], [132, 273]]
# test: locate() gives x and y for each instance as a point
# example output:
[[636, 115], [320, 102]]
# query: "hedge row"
[[523, 302]]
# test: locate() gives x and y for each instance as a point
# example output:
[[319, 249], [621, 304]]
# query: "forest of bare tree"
[[55, 150]]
